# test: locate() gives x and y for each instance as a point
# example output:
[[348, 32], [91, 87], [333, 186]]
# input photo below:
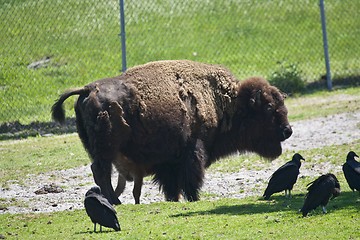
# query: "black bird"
[[100, 210], [285, 177], [351, 169], [320, 192]]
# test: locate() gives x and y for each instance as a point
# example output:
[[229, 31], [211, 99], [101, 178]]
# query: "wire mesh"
[[49, 46]]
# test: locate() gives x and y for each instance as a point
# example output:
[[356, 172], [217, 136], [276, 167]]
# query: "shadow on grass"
[[338, 82], [275, 204], [278, 204], [107, 230], [16, 130]]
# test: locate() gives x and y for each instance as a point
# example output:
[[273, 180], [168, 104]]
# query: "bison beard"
[[173, 119]]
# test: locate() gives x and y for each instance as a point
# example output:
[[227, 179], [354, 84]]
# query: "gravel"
[[70, 185]]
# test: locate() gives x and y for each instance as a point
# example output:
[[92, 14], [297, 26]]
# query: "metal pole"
[[326, 47], [122, 34]]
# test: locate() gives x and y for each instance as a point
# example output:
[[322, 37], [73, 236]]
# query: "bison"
[[174, 119]]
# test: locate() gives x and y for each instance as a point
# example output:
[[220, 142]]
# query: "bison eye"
[[269, 107]]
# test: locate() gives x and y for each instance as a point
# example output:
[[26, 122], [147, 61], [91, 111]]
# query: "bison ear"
[[256, 99], [284, 95]]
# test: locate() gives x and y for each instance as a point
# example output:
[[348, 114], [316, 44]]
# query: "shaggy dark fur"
[[177, 117]]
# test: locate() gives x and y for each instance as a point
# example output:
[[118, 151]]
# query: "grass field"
[[249, 218], [82, 43], [226, 219]]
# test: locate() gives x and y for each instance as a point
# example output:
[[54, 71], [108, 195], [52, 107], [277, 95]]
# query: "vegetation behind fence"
[[49, 46]]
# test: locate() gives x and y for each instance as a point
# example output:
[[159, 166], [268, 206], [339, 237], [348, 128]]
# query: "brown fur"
[[175, 118], [130, 171]]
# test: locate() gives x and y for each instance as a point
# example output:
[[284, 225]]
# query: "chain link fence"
[[49, 46]]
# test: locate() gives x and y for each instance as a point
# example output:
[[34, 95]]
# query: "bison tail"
[[58, 112]]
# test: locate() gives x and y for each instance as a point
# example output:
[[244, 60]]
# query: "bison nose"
[[287, 131]]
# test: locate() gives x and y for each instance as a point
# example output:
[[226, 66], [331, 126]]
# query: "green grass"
[[82, 43], [335, 154], [226, 219], [249, 218], [40, 154], [81, 39], [255, 37], [323, 103]]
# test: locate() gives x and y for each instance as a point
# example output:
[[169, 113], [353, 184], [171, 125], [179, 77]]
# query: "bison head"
[[263, 122]]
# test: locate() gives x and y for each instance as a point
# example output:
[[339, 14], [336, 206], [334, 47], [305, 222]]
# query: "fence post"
[[326, 47], [122, 34]]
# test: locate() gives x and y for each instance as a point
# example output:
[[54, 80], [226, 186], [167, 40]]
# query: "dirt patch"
[[20, 197]]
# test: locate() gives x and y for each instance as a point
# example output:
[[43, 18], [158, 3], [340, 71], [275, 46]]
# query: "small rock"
[[39, 64], [52, 188], [41, 191], [47, 135]]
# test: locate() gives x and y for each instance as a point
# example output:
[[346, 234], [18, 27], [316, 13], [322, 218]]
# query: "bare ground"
[[20, 195]]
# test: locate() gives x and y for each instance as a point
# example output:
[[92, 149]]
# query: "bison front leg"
[[193, 173], [186, 176], [167, 176]]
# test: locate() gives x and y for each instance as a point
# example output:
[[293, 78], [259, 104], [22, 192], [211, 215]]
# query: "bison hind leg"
[[121, 185], [138, 182]]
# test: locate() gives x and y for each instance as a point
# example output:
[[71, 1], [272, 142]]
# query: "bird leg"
[[289, 193], [324, 209], [286, 196], [94, 227]]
